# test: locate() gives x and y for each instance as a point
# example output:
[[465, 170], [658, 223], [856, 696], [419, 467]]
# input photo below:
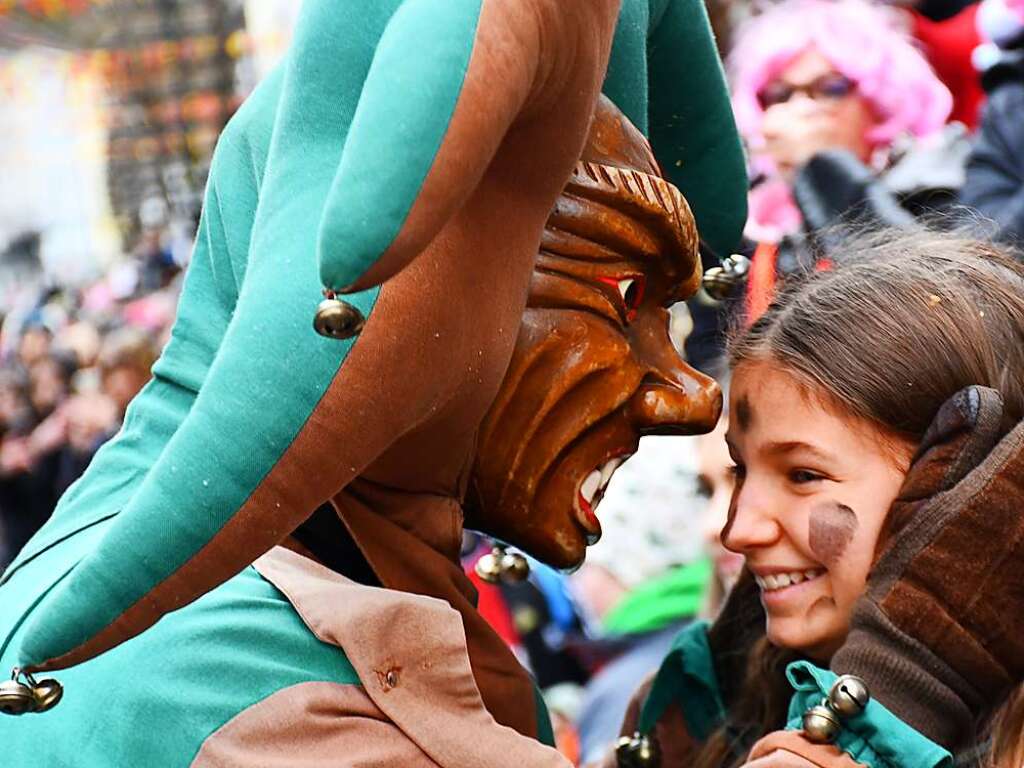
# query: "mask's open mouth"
[[589, 495]]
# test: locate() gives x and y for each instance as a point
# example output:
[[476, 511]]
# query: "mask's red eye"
[[631, 290]]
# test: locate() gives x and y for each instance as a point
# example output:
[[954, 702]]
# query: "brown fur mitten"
[[937, 635]]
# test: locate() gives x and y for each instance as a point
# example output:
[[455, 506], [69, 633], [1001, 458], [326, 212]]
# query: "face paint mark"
[[744, 414], [832, 527]]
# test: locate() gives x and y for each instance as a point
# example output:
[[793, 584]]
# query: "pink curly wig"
[[863, 42]]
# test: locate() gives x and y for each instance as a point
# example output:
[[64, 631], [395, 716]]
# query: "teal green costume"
[[337, 172]]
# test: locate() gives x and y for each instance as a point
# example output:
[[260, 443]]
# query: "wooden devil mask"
[[593, 367]]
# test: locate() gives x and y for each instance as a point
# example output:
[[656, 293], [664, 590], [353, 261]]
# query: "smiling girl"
[[876, 430]]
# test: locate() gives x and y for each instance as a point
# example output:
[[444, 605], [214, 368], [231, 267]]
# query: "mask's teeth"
[[589, 488], [608, 470]]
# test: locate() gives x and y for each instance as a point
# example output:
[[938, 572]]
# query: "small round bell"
[[47, 694], [16, 698], [720, 282], [514, 568], [637, 751], [488, 567], [849, 696], [337, 319], [821, 724]]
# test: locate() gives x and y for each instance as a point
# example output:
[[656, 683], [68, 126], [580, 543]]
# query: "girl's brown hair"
[[905, 322]]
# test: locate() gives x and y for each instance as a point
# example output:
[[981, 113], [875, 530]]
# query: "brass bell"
[[637, 751], [337, 319], [848, 696], [488, 567], [514, 568], [721, 282], [16, 698], [821, 724], [47, 694]]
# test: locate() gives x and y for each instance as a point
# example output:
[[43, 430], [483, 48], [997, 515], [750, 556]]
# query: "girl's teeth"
[[590, 486], [783, 580]]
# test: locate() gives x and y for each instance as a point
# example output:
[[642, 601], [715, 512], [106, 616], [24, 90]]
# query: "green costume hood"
[[384, 128]]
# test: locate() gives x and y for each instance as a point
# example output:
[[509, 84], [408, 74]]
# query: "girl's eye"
[[802, 476], [739, 471]]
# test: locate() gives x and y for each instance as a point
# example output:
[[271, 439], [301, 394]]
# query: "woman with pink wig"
[[824, 91]]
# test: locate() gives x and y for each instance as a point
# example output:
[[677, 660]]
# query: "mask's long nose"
[[674, 399]]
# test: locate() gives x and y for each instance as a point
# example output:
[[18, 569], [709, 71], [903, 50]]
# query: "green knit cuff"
[[875, 738]]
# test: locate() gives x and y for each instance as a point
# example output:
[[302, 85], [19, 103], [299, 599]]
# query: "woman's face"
[[813, 486], [809, 107]]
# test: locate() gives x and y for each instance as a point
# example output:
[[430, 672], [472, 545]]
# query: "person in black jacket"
[[995, 170]]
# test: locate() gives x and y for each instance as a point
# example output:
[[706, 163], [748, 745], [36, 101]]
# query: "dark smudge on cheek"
[[832, 527], [744, 413]]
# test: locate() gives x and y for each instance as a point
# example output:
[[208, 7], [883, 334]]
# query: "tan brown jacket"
[[418, 704]]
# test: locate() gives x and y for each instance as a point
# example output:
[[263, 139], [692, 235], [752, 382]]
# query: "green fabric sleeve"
[[655, 604], [153, 701], [404, 110], [270, 369], [692, 129], [204, 310], [875, 738], [687, 678], [259, 376]]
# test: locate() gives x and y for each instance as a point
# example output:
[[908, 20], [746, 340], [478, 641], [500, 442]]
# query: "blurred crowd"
[[70, 362], [851, 113]]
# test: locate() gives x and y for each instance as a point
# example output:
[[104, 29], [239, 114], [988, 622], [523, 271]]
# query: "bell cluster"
[[22, 698], [847, 698]]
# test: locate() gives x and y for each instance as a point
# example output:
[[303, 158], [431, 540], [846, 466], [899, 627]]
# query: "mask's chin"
[[556, 536]]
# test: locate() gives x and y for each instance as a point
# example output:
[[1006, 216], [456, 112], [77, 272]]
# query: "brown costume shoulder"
[[417, 702]]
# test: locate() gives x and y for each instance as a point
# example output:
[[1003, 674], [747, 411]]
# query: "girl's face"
[[813, 486]]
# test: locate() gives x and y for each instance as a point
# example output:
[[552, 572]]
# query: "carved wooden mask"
[[593, 367]]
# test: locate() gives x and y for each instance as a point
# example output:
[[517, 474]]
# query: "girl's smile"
[[813, 486]]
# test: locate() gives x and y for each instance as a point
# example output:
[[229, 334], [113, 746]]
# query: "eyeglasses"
[[830, 87]]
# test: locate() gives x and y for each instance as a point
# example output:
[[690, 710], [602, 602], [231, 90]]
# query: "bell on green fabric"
[[17, 698], [337, 319]]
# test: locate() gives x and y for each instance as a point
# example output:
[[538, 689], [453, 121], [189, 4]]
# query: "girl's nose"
[[750, 525]]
